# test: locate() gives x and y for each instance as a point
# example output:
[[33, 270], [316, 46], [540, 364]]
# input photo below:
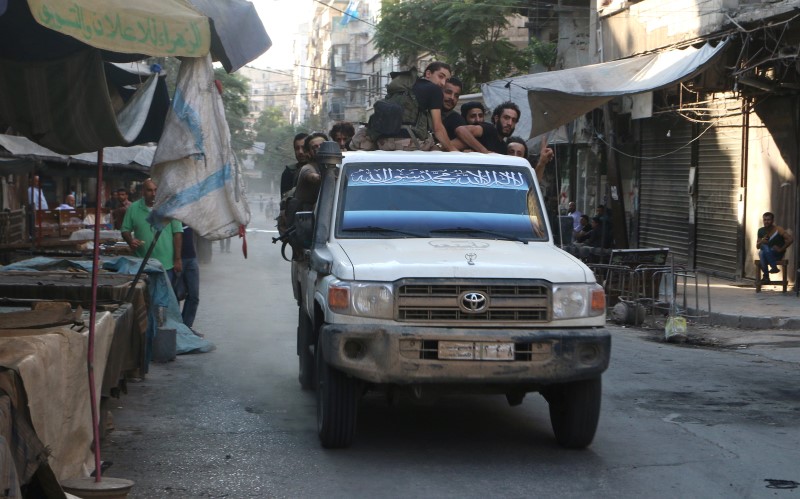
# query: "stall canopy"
[[237, 35], [558, 97], [70, 105], [29, 156], [54, 87], [46, 29]]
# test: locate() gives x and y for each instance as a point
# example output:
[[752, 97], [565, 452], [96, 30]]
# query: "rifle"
[[284, 239]]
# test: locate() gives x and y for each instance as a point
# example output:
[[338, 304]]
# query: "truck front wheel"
[[337, 405], [574, 411]]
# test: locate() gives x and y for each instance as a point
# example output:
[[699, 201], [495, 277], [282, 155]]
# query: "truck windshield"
[[497, 202]]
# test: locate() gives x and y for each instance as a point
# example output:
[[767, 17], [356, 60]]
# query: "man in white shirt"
[[36, 196], [576, 216], [69, 203]]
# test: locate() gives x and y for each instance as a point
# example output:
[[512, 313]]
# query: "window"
[[438, 201]]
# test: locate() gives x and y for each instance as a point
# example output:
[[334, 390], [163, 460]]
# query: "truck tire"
[[574, 411], [305, 338], [337, 405]]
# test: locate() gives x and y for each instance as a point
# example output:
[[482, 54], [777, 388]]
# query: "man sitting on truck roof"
[[473, 112], [422, 100], [493, 135], [454, 123]]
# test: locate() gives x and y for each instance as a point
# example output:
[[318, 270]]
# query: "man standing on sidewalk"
[[771, 245]]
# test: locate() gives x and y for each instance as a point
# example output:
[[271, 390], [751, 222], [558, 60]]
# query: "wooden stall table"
[[43, 370], [24, 287]]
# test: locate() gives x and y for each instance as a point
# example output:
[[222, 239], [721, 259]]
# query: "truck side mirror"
[[304, 228]]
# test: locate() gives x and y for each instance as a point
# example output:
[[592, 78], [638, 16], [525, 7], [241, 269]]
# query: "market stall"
[[55, 90]]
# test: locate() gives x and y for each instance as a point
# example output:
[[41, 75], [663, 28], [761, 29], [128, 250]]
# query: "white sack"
[[199, 180]]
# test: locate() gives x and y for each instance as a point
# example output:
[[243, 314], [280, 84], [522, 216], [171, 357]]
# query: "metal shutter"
[[664, 197], [718, 180]]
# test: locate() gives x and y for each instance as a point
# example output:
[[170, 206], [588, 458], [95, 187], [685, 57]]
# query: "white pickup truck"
[[433, 272]]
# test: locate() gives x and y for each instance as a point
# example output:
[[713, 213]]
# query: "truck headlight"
[[573, 301], [364, 299]]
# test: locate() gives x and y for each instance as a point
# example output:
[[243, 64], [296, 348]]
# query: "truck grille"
[[506, 302]]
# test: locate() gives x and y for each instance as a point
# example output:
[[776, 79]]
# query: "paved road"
[[676, 421]]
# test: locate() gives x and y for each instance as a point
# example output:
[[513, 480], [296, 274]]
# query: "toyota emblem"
[[474, 302]]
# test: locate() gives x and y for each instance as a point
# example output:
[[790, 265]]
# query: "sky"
[[281, 19]]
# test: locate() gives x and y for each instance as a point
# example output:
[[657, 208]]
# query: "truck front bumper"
[[413, 354]]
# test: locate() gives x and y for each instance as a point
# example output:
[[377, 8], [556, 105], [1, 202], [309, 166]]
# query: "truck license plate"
[[475, 350]]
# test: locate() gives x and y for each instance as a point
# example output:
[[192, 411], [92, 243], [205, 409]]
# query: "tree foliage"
[[467, 35], [235, 90], [277, 135], [543, 53]]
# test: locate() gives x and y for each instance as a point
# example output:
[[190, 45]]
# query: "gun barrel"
[[283, 237]]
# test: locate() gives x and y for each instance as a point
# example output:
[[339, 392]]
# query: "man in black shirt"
[[492, 135], [428, 91], [487, 135], [454, 123], [505, 118], [341, 133], [473, 112], [584, 227], [451, 119], [420, 104], [289, 175]]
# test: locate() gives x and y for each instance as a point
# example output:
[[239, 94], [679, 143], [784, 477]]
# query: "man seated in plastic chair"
[[771, 243]]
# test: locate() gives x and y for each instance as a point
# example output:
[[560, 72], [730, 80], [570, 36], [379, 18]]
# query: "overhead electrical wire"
[[599, 137], [337, 70], [302, 93]]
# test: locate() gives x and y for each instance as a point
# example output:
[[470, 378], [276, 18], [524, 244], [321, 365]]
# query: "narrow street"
[[655, 141], [676, 421]]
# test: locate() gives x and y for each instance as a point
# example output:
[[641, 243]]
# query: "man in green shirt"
[[139, 234]]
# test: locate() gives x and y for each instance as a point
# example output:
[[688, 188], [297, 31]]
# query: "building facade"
[[346, 74], [270, 88], [704, 159]]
